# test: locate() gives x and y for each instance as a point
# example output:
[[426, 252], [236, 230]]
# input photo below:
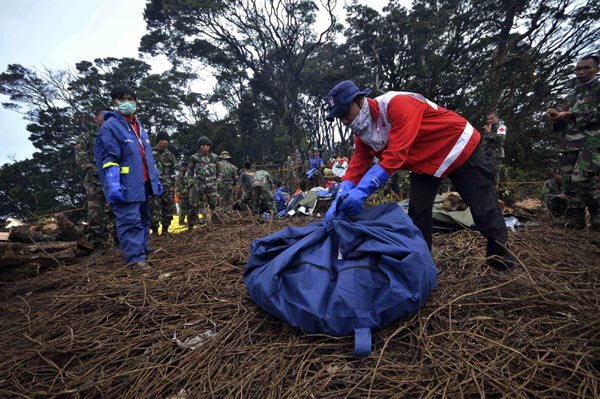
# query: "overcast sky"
[[57, 34]]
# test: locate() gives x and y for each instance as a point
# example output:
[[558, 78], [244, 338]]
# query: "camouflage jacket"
[[226, 173], [84, 156], [262, 178], [551, 187], [183, 183], [165, 163], [493, 142], [297, 157], [204, 168], [582, 129], [289, 168]]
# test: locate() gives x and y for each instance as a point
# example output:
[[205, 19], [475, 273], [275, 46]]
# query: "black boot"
[[575, 218], [499, 257], [594, 218], [165, 230]]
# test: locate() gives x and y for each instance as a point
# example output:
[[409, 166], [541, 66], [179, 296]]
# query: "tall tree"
[[476, 56], [259, 50], [59, 106]]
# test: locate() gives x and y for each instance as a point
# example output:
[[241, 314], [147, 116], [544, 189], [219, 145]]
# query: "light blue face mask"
[[126, 107]]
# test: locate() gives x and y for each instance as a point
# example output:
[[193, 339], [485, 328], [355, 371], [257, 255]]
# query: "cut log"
[[44, 253], [55, 228]]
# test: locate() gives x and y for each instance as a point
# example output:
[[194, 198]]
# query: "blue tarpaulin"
[[359, 273]]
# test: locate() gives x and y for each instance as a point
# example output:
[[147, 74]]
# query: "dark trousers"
[[474, 180]]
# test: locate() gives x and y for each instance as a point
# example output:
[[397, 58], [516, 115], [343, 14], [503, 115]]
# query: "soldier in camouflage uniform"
[[297, 157], [579, 123], [243, 190], [494, 134], [291, 177], [226, 178], [551, 196], [262, 199], [162, 208], [182, 185], [100, 219], [203, 166]]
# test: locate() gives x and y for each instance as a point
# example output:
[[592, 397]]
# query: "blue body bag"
[[356, 274]]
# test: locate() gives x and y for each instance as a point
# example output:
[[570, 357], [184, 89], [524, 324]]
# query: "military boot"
[[594, 219], [499, 257], [575, 218], [165, 230], [98, 249]]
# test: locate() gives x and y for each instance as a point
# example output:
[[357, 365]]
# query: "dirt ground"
[[93, 329]]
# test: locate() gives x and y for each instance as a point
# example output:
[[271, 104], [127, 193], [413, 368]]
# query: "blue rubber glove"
[[159, 189], [115, 190], [345, 187], [352, 202]]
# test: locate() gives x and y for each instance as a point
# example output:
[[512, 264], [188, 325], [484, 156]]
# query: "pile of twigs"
[[95, 329]]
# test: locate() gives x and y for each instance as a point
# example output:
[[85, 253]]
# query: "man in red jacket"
[[407, 131]]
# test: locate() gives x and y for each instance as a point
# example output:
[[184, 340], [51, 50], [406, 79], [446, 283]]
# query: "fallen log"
[[43, 253], [54, 228]]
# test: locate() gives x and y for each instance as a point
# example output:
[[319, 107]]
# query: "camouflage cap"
[[224, 155]]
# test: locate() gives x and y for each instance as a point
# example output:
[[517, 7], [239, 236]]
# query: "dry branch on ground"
[[95, 329]]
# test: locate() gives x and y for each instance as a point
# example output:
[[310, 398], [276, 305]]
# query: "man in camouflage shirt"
[[183, 183], [162, 208], [494, 134], [100, 219], [291, 177], [552, 197], [579, 124], [226, 178], [203, 166], [243, 190], [297, 157]]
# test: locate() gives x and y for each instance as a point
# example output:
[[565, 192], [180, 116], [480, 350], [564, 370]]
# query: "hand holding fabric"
[[345, 187], [352, 202], [115, 190]]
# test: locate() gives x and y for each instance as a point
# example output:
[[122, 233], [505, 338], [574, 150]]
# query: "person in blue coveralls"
[[128, 175]]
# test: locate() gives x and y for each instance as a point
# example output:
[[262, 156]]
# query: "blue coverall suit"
[[117, 144]]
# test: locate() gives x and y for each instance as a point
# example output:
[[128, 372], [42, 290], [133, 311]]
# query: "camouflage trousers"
[[580, 173], [203, 198], [498, 165], [100, 219], [291, 181], [226, 196], [262, 200], [184, 208], [555, 204], [162, 209], [244, 198]]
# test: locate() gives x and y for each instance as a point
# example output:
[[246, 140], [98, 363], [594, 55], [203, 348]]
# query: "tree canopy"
[[274, 62]]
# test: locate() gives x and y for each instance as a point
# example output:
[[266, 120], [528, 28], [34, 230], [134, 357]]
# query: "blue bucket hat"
[[340, 98]]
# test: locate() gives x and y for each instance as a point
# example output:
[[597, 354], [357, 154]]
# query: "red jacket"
[[410, 132]]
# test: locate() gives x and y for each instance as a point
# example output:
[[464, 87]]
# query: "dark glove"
[[352, 202], [115, 190], [345, 187]]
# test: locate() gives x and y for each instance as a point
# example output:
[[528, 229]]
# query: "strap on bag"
[[362, 342]]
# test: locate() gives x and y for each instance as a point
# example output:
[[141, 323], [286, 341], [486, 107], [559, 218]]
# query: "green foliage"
[[273, 70], [60, 106]]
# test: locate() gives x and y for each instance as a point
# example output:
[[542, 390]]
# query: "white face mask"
[[363, 121]]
